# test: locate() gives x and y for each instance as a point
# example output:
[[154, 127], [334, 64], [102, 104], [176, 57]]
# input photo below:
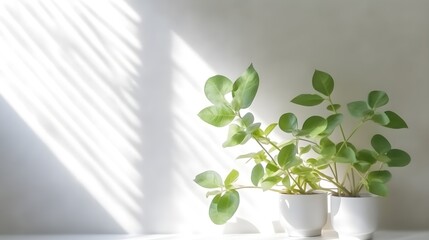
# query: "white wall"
[[99, 132]]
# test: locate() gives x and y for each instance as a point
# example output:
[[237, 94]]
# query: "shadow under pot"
[[303, 215], [355, 218]]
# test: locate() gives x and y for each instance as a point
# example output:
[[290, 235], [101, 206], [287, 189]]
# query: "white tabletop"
[[329, 235]]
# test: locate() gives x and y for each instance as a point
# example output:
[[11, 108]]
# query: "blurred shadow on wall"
[[68, 70]]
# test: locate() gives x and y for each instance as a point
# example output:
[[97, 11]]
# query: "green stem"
[[286, 171], [309, 141], [254, 187], [331, 180]]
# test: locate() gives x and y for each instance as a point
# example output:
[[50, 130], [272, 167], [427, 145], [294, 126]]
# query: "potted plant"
[[310, 156], [277, 166], [354, 210]]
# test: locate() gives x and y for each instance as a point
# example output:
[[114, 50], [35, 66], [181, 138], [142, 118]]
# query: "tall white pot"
[[303, 215], [355, 217]]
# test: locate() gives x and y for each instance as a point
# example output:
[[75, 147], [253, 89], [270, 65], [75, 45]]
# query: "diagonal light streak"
[[71, 78]]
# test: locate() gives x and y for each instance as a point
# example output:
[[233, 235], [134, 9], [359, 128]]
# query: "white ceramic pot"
[[355, 217], [303, 215]]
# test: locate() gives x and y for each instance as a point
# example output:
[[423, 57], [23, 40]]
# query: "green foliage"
[[223, 206], [308, 99], [217, 115], [295, 165], [209, 179]]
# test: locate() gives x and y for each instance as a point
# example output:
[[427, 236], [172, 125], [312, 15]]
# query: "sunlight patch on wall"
[[69, 70]]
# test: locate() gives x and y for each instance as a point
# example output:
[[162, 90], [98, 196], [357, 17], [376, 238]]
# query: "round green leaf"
[[377, 188], [398, 158], [377, 99], [361, 166], [395, 121], [236, 136], [247, 119], [245, 87], [209, 179], [216, 88], [345, 155], [327, 147], [223, 207], [380, 144], [367, 156], [307, 99], [288, 122], [381, 118], [381, 176], [358, 109], [333, 107], [286, 154], [333, 121], [217, 115], [323, 82], [257, 174], [313, 126]]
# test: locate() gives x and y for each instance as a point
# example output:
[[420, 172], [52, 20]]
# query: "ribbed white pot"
[[355, 218], [303, 215]]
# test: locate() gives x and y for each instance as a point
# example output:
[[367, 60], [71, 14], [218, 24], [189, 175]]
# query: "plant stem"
[[272, 159], [254, 187], [331, 180]]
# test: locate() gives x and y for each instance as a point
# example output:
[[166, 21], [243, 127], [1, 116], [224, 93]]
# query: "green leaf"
[[308, 99], [381, 118], [247, 155], [358, 109], [383, 158], [362, 166], [288, 122], [398, 158], [271, 169], [286, 181], [377, 188], [253, 128], [216, 88], [217, 115], [235, 136], [345, 155], [332, 122], [247, 119], [245, 87], [257, 174], [380, 144], [395, 121], [209, 179], [313, 126], [323, 82], [333, 107], [377, 99], [304, 150], [223, 207], [269, 129], [381, 176], [270, 182], [327, 147], [287, 154], [231, 177], [367, 156]]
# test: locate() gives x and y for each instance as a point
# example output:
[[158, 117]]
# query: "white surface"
[[380, 235]]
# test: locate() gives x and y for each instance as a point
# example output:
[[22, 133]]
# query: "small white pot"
[[355, 217], [303, 215]]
